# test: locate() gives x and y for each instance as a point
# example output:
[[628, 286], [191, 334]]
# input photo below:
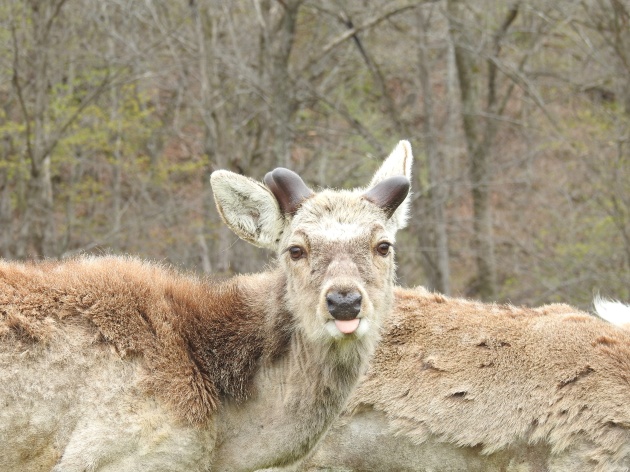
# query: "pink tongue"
[[347, 326]]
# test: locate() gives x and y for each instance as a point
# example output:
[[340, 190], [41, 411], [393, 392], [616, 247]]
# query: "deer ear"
[[394, 195], [397, 163], [288, 188], [248, 208]]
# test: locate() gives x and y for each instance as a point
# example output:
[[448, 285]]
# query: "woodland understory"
[[114, 113]]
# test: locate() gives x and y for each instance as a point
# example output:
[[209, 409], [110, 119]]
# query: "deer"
[[461, 385], [113, 363]]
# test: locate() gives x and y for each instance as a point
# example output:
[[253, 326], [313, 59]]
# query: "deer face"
[[338, 255], [335, 247]]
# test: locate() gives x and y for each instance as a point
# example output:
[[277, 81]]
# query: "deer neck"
[[296, 393]]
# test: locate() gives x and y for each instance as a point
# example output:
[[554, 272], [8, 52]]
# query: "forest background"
[[113, 114]]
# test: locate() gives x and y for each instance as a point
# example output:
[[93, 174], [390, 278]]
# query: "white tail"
[[457, 385], [114, 364], [612, 311]]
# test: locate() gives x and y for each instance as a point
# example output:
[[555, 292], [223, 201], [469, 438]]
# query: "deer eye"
[[383, 248], [296, 252]]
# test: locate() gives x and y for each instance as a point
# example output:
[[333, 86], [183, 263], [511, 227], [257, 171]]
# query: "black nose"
[[344, 305]]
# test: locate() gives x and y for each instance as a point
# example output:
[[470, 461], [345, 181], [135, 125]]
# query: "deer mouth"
[[348, 326], [348, 329]]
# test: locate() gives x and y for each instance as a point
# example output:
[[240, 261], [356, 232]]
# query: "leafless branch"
[[350, 33]]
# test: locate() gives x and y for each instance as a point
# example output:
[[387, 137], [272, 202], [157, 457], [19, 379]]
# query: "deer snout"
[[344, 305]]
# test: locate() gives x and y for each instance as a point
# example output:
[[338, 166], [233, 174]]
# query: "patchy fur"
[[462, 385], [198, 341]]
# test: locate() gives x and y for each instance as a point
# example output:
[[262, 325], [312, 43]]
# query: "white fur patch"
[[612, 311], [343, 232]]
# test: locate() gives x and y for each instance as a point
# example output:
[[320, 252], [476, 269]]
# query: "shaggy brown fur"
[[462, 385], [198, 342]]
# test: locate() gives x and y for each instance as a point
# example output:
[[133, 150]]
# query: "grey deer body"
[[113, 364], [458, 385]]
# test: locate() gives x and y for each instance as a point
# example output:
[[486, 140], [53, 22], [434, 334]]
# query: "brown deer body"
[[457, 385], [113, 364]]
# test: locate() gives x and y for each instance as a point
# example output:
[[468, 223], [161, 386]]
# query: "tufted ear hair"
[[248, 208], [395, 194], [288, 188]]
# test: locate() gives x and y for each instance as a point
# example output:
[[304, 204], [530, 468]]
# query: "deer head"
[[336, 247]]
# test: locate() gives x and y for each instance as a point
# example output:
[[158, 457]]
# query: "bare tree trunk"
[[38, 219], [431, 230], [116, 163], [450, 133], [205, 25], [117, 198], [438, 264], [6, 222], [70, 205], [610, 19], [478, 155], [278, 37], [41, 136], [5, 216], [479, 134]]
